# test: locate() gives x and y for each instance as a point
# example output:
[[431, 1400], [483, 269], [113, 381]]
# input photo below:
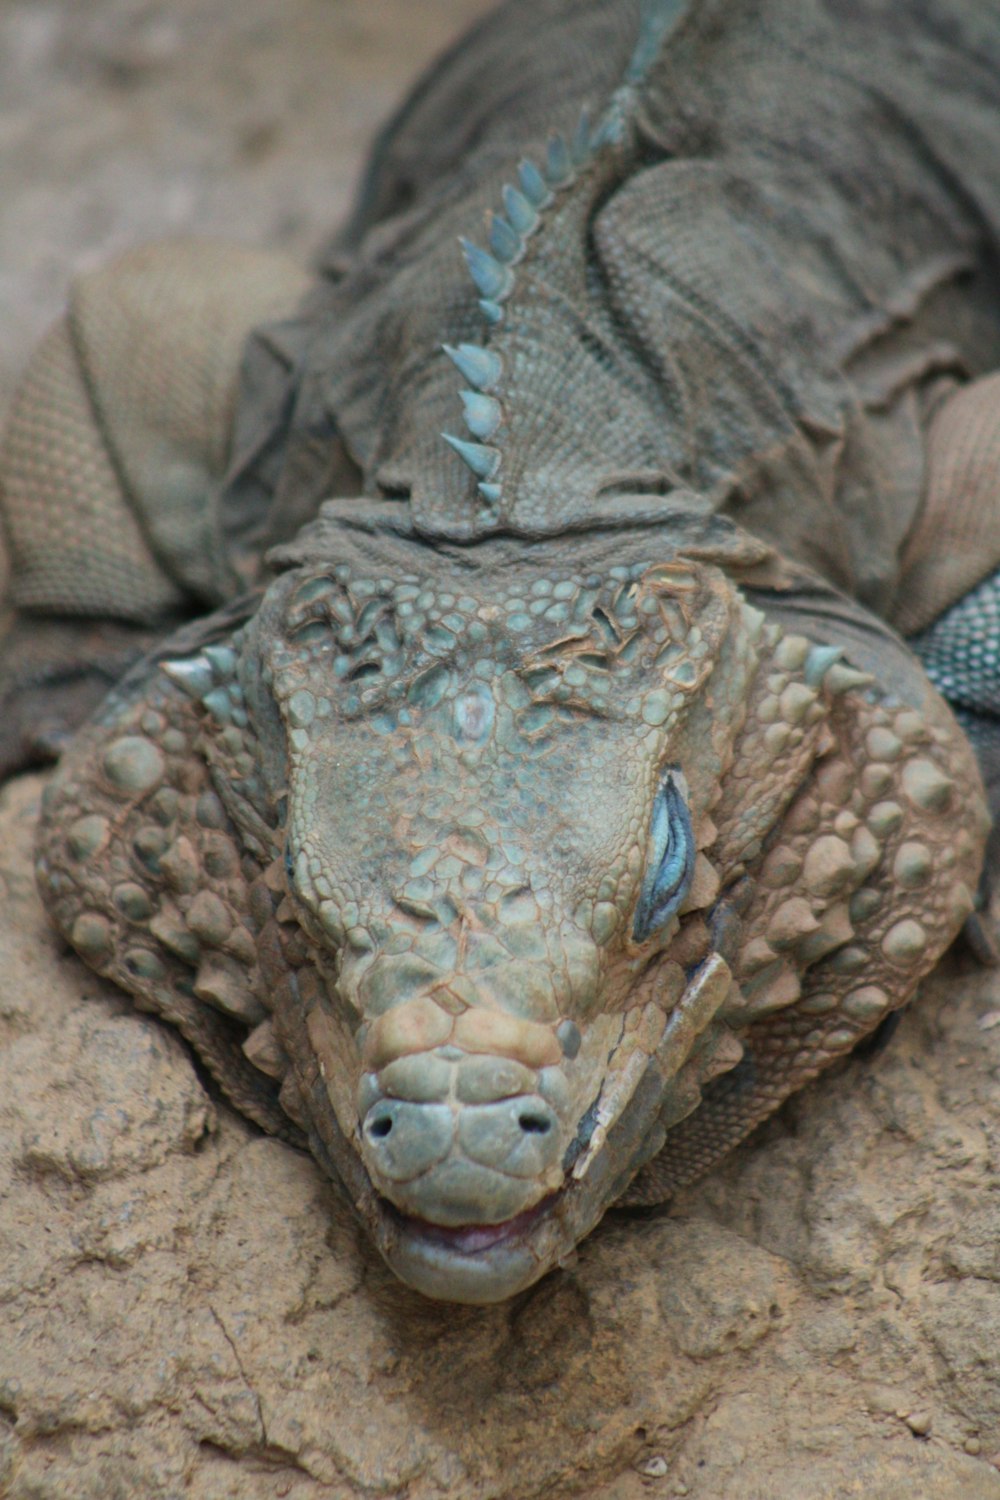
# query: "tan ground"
[[186, 1310]]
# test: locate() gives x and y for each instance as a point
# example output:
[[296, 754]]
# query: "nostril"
[[401, 1138], [534, 1123]]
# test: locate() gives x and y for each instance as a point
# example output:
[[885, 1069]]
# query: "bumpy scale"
[[545, 815], [393, 838]]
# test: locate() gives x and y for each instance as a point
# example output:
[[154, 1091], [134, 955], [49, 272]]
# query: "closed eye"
[[671, 861]]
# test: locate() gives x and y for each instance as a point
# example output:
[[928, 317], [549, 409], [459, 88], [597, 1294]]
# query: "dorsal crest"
[[528, 209]]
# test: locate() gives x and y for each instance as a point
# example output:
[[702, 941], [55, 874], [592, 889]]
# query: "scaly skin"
[[548, 812], [401, 830]]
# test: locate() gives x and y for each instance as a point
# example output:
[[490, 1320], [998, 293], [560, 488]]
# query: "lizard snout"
[[456, 1139], [513, 1135], [466, 1164]]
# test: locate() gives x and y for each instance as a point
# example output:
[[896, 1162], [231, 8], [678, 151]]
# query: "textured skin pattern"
[[731, 300], [134, 394], [533, 829], [109, 465], [961, 504], [961, 650], [443, 802]]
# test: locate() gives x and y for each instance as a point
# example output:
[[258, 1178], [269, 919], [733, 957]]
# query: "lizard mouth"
[[475, 1263], [472, 1239]]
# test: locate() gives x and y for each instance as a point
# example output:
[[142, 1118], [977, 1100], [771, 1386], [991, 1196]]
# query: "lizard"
[[504, 763]]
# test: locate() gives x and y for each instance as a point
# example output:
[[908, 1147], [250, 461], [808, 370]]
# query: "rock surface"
[[188, 1310]]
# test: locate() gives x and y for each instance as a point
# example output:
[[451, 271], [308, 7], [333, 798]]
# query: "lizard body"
[[554, 801]]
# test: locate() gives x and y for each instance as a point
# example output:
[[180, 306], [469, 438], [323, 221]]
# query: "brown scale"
[[783, 733], [310, 1039], [867, 882], [149, 886]]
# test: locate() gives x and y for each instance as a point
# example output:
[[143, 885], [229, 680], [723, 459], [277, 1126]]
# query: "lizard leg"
[[948, 601], [115, 443], [950, 608], [949, 594], [955, 541], [961, 655]]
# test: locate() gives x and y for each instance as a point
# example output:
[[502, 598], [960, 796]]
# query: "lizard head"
[[499, 845]]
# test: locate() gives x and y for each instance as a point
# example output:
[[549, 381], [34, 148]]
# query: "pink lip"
[[469, 1239]]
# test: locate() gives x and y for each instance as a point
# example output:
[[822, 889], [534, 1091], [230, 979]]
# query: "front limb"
[[115, 444]]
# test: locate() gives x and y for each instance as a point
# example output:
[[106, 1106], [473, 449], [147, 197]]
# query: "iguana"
[[547, 792]]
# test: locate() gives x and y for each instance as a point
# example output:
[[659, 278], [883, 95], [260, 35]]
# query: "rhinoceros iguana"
[[526, 786]]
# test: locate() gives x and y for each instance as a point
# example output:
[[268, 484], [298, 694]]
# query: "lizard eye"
[[671, 861]]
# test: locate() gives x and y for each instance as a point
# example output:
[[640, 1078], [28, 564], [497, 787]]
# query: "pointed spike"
[[533, 185], [558, 166], [482, 368], [656, 18], [791, 652], [193, 675], [222, 659], [505, 242], [491, 311], [490, 493], [519, 211], [796, 701], [482, 414], [608, 133], [492, 279], [484, 462], [819, 661], [841, 678], [579, 147], [219, 706]]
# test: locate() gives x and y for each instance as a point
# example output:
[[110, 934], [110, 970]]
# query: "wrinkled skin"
[[508, 916]]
